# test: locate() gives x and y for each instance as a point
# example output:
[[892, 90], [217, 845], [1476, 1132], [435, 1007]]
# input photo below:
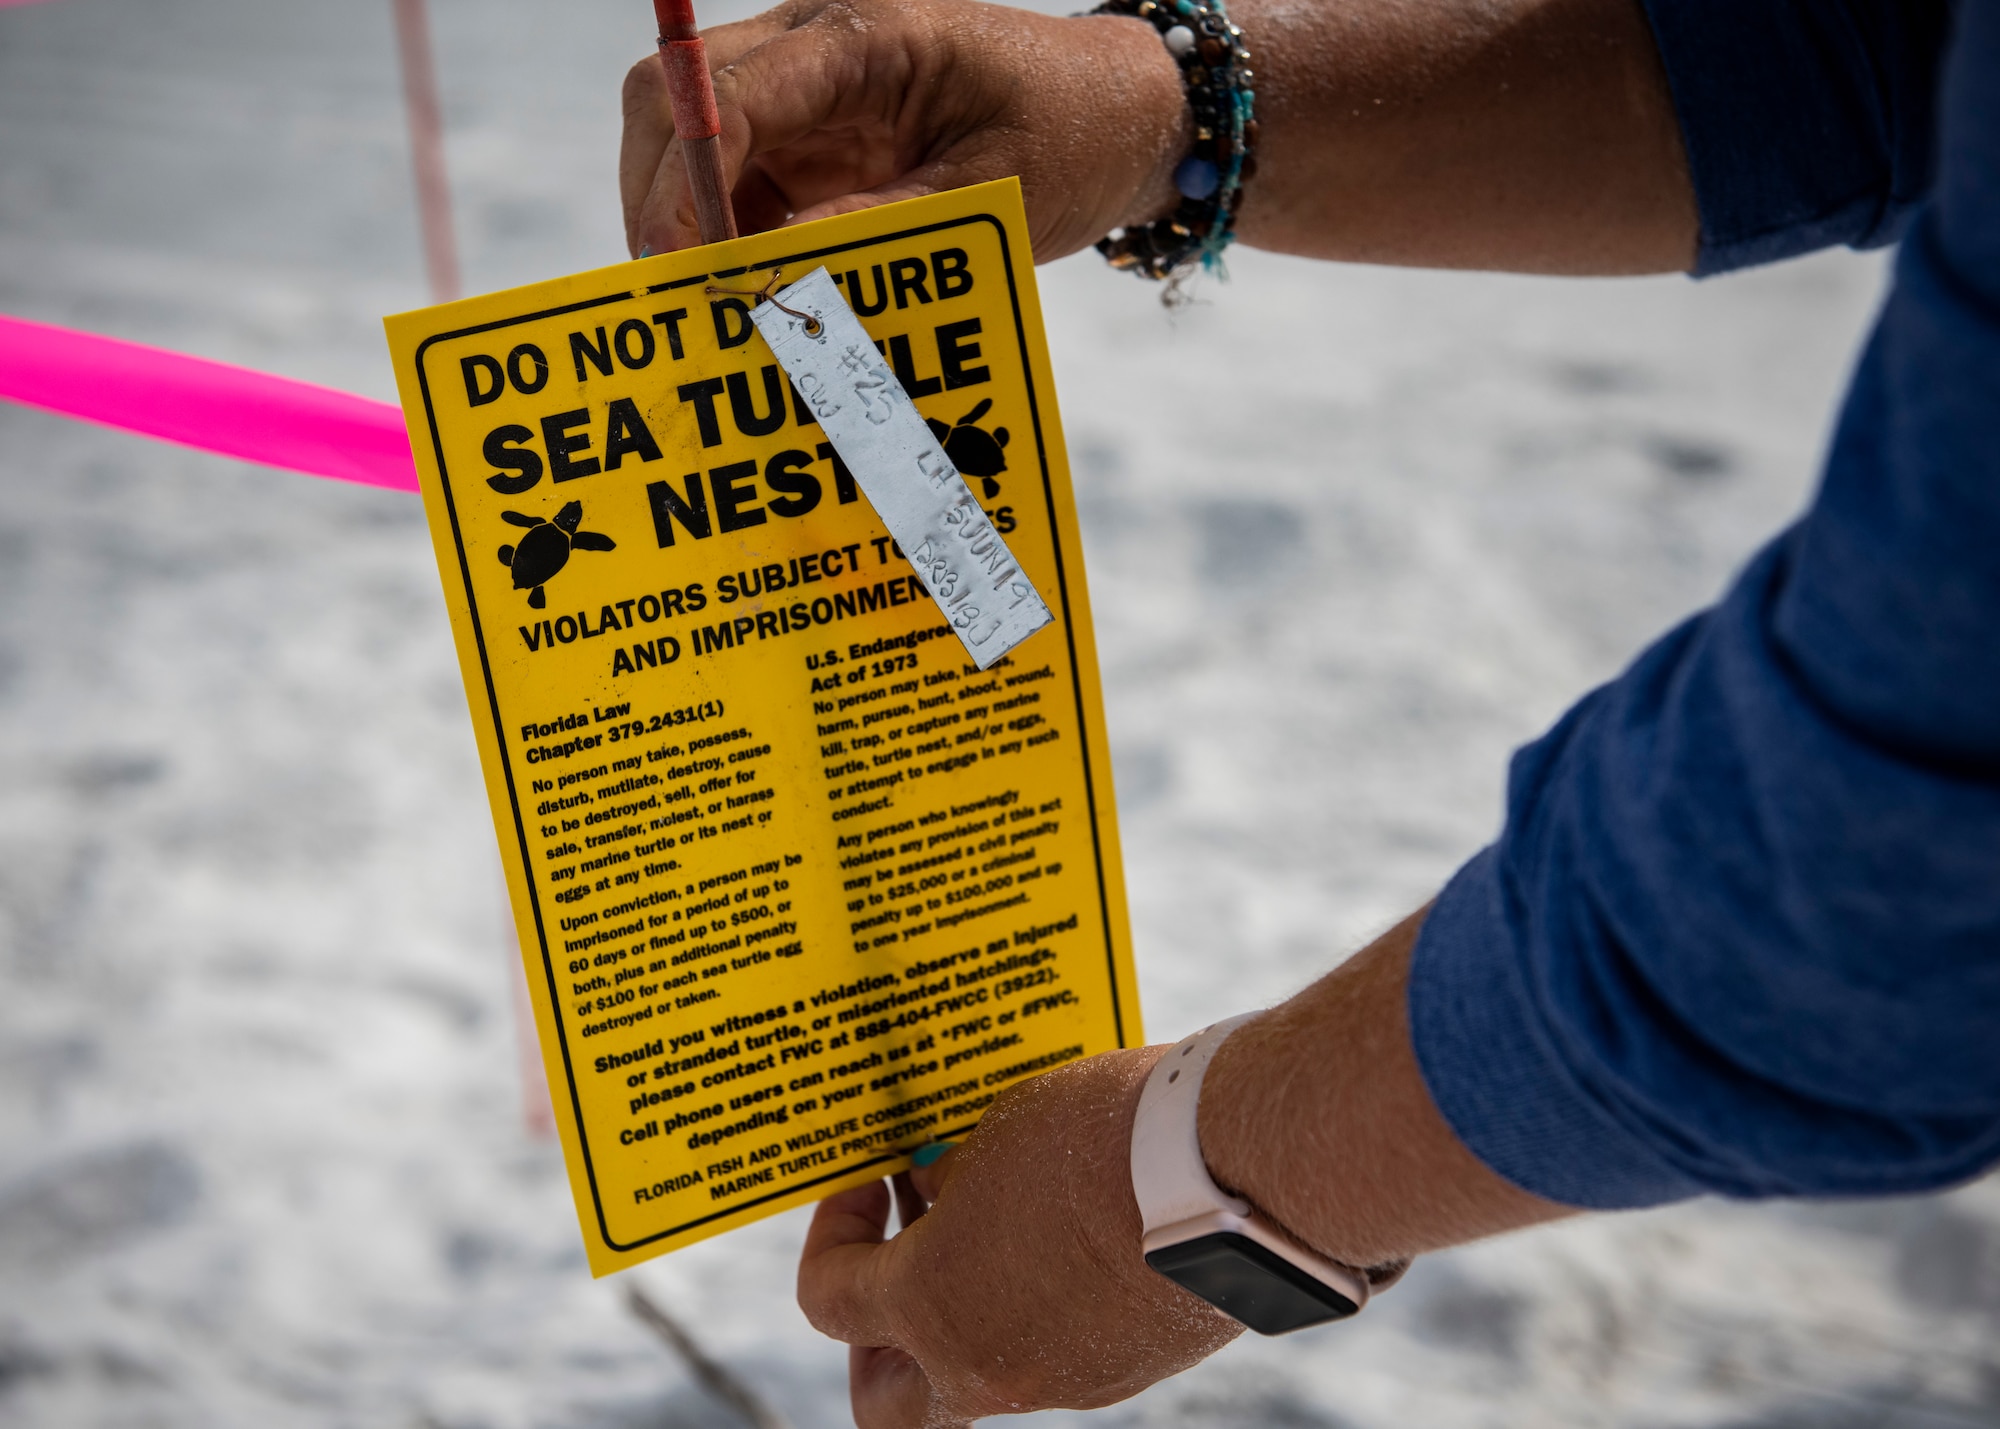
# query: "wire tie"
[[767, 294]]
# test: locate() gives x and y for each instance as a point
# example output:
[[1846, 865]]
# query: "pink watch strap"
[[1169, 1176], [1179, 1201]]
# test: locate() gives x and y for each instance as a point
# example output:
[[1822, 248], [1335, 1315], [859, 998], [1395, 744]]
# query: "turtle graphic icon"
[[545, 549], [973, 451]]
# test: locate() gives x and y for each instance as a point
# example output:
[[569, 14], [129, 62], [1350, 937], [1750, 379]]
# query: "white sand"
[[261, 1151]]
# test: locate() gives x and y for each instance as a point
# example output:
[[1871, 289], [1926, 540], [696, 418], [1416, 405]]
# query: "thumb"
[[774, 93], [844, 1269], [843, 1279]]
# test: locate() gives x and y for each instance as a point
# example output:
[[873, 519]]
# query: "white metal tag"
[[900, 467]]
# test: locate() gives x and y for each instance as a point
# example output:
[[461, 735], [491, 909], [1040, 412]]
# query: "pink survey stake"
[[229, 410]]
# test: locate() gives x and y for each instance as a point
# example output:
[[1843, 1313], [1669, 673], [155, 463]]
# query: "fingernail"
[[925, 1155], [645, 250]]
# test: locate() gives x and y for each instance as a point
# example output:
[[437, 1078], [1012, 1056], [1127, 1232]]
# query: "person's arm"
[[1023, 1287], [1536, 135], [1741, 933], [1738, 935]]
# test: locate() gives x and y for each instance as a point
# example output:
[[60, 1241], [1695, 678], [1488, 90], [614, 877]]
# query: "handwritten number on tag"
[[875, 403], [869, 385], [935, 568]]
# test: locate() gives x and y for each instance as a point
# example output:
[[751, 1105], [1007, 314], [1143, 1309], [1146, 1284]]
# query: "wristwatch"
[[1209, 1242]]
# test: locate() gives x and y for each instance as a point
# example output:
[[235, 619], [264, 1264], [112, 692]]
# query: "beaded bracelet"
[[1215, 67]]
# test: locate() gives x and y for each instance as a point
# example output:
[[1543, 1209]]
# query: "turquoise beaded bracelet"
[[1215, 67]]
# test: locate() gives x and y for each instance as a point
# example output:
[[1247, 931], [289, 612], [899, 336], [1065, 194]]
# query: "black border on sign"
[[500, 734]]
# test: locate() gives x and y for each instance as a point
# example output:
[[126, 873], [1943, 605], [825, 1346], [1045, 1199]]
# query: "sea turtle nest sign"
[[800, 886]]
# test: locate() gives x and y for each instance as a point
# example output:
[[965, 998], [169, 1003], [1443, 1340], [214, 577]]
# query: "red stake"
[[696, 123]]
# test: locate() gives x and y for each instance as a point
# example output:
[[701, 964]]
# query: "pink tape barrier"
[[211, 406]]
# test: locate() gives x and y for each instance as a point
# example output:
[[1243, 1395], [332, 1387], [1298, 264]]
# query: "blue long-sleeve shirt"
[[1741, 931]]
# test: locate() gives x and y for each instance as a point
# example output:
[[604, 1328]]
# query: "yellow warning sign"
[[799, 887]]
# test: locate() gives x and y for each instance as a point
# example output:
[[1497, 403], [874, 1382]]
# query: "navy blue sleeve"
[[1807, 123], [1741, 933]]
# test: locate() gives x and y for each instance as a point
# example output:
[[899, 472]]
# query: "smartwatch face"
[[1248, 1282]]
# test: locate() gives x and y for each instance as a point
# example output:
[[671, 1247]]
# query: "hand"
[[829, 106], [1022, 1287], [1535, 135]]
